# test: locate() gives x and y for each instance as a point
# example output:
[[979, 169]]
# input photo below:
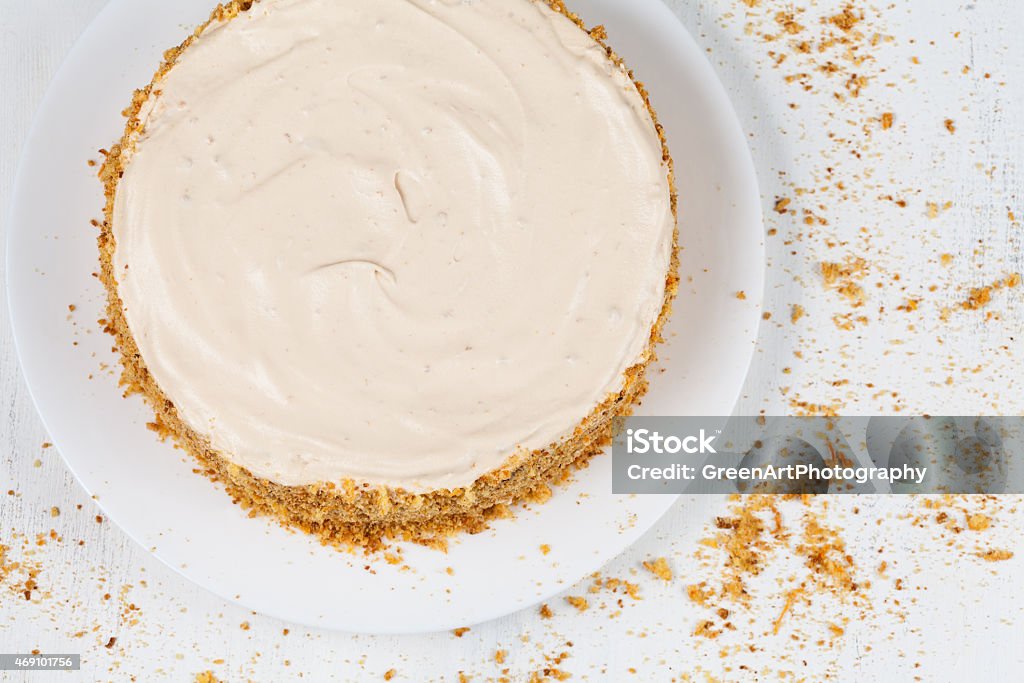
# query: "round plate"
[[149, 489]]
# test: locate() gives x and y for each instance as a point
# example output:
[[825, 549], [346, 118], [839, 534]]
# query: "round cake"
[[386, 267]]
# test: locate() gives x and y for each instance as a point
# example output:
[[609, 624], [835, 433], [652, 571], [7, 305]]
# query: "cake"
[[386, 268]]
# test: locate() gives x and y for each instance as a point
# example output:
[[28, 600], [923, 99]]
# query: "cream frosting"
[[392, 240]]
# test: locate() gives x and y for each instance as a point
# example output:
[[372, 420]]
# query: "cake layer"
[[394, 241]]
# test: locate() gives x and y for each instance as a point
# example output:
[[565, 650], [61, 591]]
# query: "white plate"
[[149, 489]]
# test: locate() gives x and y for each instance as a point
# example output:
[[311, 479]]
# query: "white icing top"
[[392, 240]]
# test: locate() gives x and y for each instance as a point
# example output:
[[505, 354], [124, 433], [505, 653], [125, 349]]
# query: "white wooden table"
[[933, 203]]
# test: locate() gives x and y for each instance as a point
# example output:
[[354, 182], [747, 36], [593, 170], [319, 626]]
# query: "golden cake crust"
[[352, 513]]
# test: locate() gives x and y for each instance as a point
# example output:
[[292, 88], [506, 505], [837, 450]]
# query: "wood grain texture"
[[955, 617]]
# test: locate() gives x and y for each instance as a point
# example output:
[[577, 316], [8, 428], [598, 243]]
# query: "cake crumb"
[[461, 631], [389, 674], [790, 597], [843, 277], [545, 549], [978, 522], [545, 612], [706, 629], [659, 568], [909, 305], [979, 297], [579, 603], [996, 555], [699, 593]]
